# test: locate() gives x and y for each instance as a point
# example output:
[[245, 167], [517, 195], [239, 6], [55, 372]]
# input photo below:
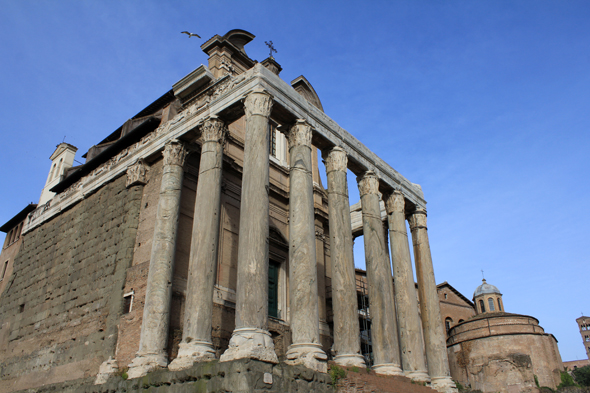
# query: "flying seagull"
[[190, 34]]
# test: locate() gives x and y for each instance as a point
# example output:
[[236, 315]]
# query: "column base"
[[444, 384], [309, 355], [418, 376], [250, 343], [145, 363], [191, 353], [107, 368], [388, 369], [350, 360]]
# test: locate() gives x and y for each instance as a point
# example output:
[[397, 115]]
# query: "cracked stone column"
[[347, 343], [434, 335], [303, 281], [156, 312], [408, 318], [251, 338], [379, 280], [197, 343]]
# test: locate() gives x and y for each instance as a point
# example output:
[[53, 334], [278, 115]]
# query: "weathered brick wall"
[[64, 305]]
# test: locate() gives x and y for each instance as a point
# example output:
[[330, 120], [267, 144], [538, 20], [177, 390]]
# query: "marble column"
[[434, 335], [156, 311], [379, 280], [251, 338], [408, 318], [303, 281], [197, 343], [347, 344]]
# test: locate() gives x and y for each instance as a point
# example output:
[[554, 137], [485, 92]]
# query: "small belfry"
[[487, 298]]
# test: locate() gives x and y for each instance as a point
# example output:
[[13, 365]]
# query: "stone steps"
[[362, 381]]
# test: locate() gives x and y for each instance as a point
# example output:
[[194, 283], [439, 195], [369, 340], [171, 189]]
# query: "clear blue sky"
[[483, 103]]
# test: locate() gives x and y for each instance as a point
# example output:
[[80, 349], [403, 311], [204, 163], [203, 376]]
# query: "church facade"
[[200, 230]]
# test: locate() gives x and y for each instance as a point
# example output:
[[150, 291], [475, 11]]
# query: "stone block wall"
[[64, 304]]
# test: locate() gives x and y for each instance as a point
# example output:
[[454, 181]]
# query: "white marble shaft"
[[379, 280], [347, 344], [303, 282], [196, 342], [251, 339], [408, 318], [434, 335], [156, 311]]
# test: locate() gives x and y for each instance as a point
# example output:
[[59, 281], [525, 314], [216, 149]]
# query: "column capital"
[[137, 173], [213, 130], [395, 203], [300, 134], [368, 183], [174, 153], [258, 102], [417, 219], [336, 160]]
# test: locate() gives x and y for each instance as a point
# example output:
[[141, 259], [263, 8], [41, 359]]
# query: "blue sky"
[[483, 103]]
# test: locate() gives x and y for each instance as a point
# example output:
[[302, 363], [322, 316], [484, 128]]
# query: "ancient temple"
[[199, 231]]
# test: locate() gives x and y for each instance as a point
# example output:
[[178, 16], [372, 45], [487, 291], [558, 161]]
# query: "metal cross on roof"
[[271, 47]]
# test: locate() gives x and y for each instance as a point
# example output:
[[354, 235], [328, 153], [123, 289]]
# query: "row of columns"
[[251, 339]]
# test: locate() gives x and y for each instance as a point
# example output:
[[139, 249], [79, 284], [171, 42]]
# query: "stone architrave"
[[251, 338], [408, 318], [434, 335], [197, 343], [156, 312], [347, 344], [379, 280], [303, 281], [137, 173]]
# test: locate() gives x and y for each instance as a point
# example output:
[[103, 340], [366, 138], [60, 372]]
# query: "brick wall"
[[64, 305]]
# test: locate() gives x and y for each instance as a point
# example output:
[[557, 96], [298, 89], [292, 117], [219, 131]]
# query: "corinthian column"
[[251, 338], [434, 336], [156, 310], [347, 344], [408, 318], [380, 282], [303, 281], [197, 344]]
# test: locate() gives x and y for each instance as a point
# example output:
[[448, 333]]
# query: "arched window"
[[481, 306], [461, 320], [499, 305], [448, 322], [491, 304], [52, 171]]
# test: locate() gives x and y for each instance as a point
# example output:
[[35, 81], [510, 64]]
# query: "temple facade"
[[200, 231]]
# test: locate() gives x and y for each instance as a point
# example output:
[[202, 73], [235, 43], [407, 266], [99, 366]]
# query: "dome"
[[485, 288]]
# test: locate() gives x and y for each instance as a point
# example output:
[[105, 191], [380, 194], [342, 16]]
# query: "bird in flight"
[[190, 34]]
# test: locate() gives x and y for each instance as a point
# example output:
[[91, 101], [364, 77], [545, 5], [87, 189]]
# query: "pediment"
[[303, 87]]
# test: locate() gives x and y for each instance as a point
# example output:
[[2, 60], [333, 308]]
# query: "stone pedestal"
[[251, 339], [156, 311], [408, 318], [303, 283], [434, 335], [379, 280], [347, 343], [196, 342]]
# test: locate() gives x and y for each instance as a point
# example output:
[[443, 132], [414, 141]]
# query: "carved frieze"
[[213, 130], [337, 160], [137, 173], [417, 219], [368, 183], [395, 202], [258, 102], [300, 134], [174, 153]]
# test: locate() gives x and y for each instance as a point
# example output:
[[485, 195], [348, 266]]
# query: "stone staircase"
[[361, 381]]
